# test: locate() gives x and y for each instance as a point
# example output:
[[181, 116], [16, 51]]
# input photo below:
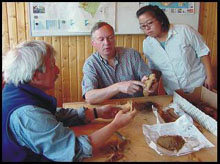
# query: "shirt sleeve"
[[141, 67], [37, 129], [71, 117], [197, 42], [89, 80]]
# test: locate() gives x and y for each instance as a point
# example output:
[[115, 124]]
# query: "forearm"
[[99, 137], [71, 117], [99, 95], [207, 63]]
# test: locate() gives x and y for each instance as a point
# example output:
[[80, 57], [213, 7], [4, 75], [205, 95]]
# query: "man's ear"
[[92, 42], [36, 77]]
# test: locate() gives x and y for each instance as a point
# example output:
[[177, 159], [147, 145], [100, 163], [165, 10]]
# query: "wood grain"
[[137, 150]]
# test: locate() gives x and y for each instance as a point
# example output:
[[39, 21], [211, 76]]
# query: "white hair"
[[20, 63]]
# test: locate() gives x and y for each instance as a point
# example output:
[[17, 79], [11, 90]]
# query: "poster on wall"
[[77, 18], [66, 18], [173, 7]]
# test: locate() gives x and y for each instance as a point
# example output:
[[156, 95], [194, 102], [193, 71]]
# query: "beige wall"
[[73, 50]]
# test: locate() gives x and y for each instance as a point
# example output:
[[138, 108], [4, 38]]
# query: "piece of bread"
[[171, 143], [207, 109], [148, 83], [144, 105], [129, 105], [170, 116]]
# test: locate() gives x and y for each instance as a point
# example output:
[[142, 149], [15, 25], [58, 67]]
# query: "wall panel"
[[73, 50], [65, 68], [135, 43], [20, 17], [56, 43], [5, 33], [12, 24], [80, 61], [208, 29], [73, 69]]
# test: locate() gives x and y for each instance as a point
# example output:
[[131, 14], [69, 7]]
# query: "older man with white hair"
[[33, 128]]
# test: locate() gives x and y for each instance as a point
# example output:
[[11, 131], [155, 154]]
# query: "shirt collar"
[[106, 62], [171, 31]]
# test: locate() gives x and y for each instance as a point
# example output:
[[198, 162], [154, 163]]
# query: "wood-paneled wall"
[[73, 50], [208, 29]]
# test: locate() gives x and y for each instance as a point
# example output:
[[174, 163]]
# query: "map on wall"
[[77, 18], [51, 18], [173, 7]]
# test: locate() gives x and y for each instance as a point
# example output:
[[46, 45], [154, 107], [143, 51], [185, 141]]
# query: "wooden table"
[[137, 149]]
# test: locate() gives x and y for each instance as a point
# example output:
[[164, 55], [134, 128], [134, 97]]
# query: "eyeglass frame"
[[149, 25]]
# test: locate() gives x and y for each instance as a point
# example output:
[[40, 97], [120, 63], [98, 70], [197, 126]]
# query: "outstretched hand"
[[130, 87], [108, 111], [123, 117]]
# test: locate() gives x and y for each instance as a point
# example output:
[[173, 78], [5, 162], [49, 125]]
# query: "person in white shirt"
[[175, 52]]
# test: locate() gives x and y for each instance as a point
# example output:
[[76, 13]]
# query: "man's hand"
[[107, 111], [123, 117], [153, 87], [99, 137], [129, 87]]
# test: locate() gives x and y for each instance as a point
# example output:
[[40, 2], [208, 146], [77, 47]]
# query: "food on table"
[[171, 142], [144, 105], [129, 105], [115, 157], [207, 109], [117, 151], [170, 116]]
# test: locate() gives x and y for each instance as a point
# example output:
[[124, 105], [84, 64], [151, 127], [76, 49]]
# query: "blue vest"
[[13, 98]]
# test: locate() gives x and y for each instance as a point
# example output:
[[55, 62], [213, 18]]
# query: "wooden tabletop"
[[137, 150]]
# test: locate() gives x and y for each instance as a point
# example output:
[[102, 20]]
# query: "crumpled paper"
[[183, 126], [203, 119]]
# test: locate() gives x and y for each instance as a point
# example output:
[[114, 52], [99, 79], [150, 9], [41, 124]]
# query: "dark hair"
[[157, 13], [99, 25]]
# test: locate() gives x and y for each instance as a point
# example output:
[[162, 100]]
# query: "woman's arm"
[[210, 80]]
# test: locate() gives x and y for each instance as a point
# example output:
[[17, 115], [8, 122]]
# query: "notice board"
[[77, 18]]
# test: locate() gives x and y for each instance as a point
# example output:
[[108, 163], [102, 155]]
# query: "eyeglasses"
[[149, 24]]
